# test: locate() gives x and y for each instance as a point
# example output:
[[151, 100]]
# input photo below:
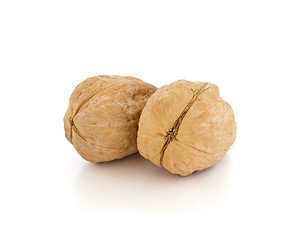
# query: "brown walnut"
[[102, 116], [185, 127]]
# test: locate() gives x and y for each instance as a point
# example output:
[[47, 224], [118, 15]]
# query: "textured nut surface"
[[186, 126], [102, 116]]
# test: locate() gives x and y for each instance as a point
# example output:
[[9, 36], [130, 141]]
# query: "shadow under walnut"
[[134, 183]]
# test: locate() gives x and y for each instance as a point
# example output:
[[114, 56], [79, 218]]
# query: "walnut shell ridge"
[[102, 117], [185, 127]]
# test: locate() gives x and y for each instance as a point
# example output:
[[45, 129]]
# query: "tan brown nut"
[[185, 127], [102, 116]]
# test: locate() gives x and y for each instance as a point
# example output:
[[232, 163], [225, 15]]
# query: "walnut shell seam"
[[172, 133]]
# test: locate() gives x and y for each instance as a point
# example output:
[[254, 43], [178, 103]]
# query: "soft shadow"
[[134, 182]]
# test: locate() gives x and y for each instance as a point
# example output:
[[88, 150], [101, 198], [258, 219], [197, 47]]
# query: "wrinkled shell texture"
[[185, 127], [102, 117]]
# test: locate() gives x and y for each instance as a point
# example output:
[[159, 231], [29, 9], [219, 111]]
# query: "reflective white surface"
[[137, 184]]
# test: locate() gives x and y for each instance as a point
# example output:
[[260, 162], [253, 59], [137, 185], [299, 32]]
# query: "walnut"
[[186, 126], [102, 116]]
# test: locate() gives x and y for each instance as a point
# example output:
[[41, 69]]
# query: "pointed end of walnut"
[[68, 128]]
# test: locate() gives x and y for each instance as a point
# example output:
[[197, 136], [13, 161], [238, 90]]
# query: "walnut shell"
[[102, 116], [186, 126]]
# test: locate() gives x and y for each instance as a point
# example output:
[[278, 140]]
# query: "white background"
[[251, 49]]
